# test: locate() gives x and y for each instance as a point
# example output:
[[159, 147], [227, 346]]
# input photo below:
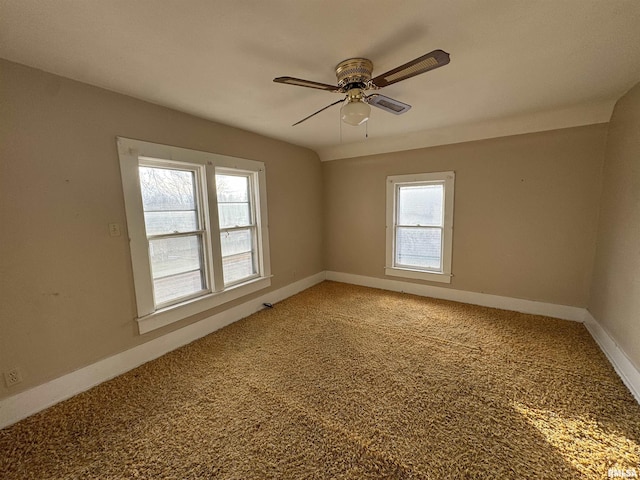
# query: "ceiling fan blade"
[[388, 104], [322, 109], [435, 59], [306, 83]]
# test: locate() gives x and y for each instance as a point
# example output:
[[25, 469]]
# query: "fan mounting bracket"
[[354, 73]]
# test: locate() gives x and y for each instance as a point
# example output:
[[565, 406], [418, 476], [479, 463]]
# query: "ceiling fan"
[[354, 79]]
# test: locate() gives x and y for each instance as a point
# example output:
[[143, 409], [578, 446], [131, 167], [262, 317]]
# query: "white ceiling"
[[516, 65]]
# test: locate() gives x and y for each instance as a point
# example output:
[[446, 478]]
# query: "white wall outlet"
[[114, 229], [12, 377]]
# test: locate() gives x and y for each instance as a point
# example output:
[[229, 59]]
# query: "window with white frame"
[[177, 238], [197, 226], [420, 226], [238, 229]]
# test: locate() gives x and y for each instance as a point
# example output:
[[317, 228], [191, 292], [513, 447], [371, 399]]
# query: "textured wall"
[[615, 293], [525, 212], [66, 285]]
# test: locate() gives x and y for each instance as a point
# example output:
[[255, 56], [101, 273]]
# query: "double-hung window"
[[175, 229], [238, 229], [197, 225], [420, 226]]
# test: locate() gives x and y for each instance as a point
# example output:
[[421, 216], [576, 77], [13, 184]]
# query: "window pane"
[[168, 200], [236, 241], [170, 256], [234, 214], [234, 208], [176, 265], [420, 205], [238, 255], [239, 266], [419, 247], [177, 286], [232, 188]]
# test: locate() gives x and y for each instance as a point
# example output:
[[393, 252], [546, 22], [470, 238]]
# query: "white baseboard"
[[564, 312], [627, 371], [21, 405]]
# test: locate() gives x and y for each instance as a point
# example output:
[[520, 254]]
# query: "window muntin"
[[420, 226]]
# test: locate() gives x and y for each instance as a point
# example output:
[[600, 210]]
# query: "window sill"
[[418, 274], [175, 313]]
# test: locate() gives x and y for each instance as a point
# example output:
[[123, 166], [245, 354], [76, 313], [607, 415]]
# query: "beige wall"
[[525, 216], [66, 286], [615, 292], [525, 212]]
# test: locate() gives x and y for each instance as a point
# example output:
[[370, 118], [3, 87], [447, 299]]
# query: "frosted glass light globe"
[[355, 113]]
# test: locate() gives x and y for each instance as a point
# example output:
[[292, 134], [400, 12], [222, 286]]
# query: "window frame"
[[394, 182], [254, 216], [134, 152], [203, 231]]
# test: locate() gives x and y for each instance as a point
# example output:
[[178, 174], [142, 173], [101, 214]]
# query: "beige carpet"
[[349, 382]]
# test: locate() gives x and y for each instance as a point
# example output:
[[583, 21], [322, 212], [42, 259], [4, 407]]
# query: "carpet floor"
[[349, 382]]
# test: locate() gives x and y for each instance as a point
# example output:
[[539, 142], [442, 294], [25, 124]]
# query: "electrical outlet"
[[12, 377], [114, 229]]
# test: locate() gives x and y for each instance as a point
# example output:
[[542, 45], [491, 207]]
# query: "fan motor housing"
[[354, 71]]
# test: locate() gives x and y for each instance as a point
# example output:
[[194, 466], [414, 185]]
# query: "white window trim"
[[255, 214], [144, 273], [443, 276], [148, 318]]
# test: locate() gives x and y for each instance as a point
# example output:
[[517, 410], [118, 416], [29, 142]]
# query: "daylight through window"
[[174, 231], [197, 224], [420, 225], [237, 227]]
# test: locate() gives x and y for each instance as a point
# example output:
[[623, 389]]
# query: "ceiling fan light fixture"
[[354, 78], [355, 111]]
